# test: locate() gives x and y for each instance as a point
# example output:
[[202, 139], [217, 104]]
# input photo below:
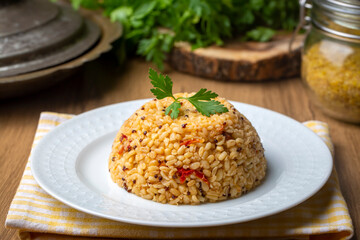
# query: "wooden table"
[[103, 82]]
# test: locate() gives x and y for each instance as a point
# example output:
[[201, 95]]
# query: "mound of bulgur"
[[188, 160]]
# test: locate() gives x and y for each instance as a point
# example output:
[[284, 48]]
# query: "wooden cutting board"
[[240, 61]]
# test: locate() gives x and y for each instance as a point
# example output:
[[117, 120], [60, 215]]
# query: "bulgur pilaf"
[[188, 160]]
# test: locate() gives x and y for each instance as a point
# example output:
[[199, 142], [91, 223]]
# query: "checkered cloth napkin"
[[37, 215]]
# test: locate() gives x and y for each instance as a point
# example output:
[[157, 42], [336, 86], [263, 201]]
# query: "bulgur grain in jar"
[[331, 58]]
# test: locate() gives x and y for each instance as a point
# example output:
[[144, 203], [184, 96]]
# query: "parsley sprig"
[[199, 22], [202, 100]]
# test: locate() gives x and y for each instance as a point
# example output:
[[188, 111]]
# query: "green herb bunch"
[[200, 22], [202, 100]]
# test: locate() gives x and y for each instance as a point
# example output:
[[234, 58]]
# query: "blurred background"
[[299, 58]]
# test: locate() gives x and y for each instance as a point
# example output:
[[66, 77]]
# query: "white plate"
[[70, 163]]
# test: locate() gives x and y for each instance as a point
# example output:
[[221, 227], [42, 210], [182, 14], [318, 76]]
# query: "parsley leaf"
[[261, 34], [203, 94], [174, 108], [202, 100], [209, 107], [162, 85]]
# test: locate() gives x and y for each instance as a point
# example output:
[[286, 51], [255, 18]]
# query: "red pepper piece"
[[121, 150], [188, 142], [184, 173], [201, 176], [123, 136]]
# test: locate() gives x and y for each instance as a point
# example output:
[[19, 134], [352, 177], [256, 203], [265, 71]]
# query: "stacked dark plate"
[[37, 34]]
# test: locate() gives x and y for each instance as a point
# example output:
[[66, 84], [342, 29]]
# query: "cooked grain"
[[151, 150]]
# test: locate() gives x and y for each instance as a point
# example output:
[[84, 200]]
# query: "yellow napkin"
[[37, 215]]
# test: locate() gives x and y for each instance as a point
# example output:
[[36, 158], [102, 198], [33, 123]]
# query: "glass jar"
[[331, 58]]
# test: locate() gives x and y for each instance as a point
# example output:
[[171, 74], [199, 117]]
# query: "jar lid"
[[340, 6], [341, 18]]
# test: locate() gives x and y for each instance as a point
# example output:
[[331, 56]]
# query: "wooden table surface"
[[103, 82]]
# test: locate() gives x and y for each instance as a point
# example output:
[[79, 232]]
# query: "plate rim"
[[165, 223]]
